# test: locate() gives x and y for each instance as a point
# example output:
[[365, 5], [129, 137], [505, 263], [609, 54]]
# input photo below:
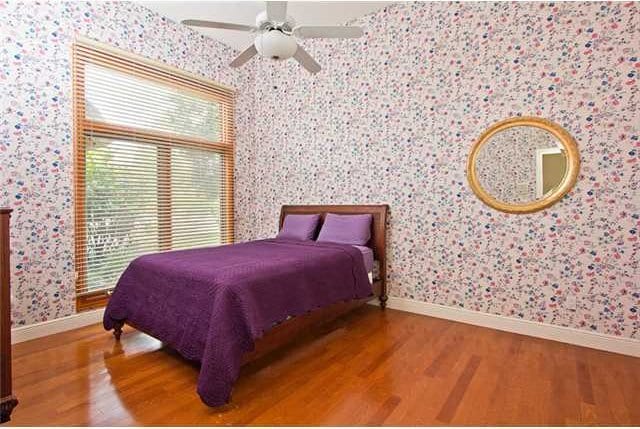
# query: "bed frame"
[[287, 331]]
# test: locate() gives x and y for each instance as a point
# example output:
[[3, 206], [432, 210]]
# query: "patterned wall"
[[36, 136], [391, 118]]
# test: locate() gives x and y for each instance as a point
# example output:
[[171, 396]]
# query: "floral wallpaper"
[[36, 147], [392, 116], [389, 119], [506, 163]]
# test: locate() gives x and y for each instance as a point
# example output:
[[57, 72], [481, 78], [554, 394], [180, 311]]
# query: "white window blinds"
[[154, 164]]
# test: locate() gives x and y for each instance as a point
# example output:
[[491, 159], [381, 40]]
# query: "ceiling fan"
[[277, 33]]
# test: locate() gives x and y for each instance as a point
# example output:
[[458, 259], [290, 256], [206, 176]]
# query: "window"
[[153, 164]]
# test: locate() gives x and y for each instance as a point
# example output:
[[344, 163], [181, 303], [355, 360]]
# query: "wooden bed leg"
[[117, 330], [6, 407], [383, 301]]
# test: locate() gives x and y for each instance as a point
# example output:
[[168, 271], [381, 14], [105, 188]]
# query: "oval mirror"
[[523, 164]]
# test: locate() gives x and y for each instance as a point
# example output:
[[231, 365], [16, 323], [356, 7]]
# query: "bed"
[[228, 305]]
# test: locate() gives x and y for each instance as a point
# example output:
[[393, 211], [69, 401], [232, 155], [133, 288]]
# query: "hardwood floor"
[[368, 368]]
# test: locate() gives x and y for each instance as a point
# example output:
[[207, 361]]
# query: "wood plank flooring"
[[368, 368]]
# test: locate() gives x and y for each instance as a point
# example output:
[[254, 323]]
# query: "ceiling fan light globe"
[[276, 45]]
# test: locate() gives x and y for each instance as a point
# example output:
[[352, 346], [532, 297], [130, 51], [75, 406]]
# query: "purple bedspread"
[[210, 304]]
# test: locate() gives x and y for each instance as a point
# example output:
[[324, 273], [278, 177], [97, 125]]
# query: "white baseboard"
[[622, 345], [50, 327]]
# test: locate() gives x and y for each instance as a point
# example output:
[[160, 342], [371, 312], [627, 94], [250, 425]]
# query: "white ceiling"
[[244, 12]]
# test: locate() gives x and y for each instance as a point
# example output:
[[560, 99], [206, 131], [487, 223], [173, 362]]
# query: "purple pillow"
[[347, 229], [299, 227]]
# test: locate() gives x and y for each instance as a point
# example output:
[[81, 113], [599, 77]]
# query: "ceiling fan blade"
[[245, 56], [277, 11], [222, 25], [306, 60], [329, 32]]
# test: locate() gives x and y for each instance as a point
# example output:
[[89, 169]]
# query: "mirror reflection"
[[521, 164]]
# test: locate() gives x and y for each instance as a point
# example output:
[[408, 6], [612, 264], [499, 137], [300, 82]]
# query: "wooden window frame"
[[83, 51]]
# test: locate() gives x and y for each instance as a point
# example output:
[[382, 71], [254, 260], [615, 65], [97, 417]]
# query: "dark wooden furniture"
[[287, 331], [7, 400]]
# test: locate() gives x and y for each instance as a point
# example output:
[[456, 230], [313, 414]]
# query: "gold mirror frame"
[[569, 180]]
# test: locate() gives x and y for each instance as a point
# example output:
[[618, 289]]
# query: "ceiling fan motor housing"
[[276, 45], [263, 22]]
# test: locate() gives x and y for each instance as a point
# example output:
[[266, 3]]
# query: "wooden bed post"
[[117, 329], [383, 301], [379, 239]]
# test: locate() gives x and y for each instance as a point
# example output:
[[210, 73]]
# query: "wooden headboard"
[[378, 241]]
